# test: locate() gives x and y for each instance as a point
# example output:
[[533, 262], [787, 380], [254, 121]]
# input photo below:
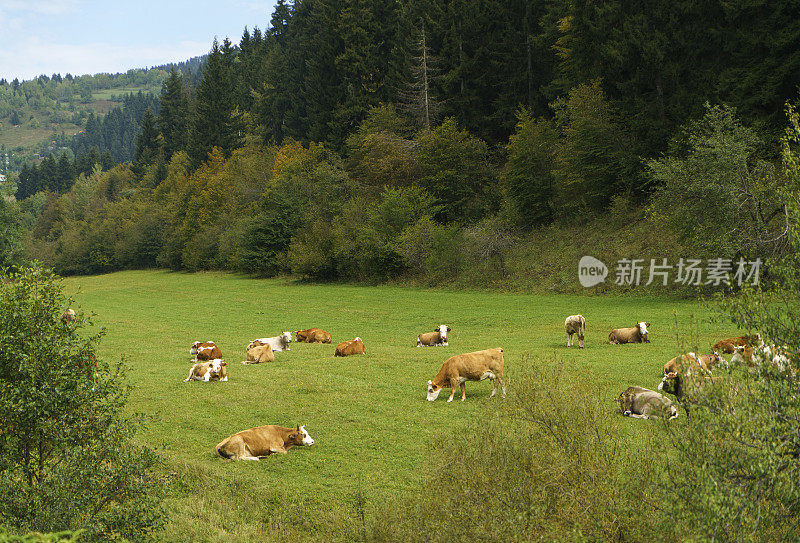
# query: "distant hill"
[[38, 117]]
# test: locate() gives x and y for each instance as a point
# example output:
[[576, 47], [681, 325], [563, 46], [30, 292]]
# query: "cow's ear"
[[224, 363], [448, 328], [430, 382], [647, 324]]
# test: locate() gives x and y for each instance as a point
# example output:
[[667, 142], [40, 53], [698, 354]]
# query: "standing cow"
[[460, 368], [575, 324], [636, 334], [434, 339]]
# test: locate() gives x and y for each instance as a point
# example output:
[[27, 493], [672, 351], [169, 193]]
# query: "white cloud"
[[32, 57]]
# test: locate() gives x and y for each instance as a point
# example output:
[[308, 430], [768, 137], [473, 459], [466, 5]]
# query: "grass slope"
[[367, 413]]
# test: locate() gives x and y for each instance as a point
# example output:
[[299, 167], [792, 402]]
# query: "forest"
[[374, 141]]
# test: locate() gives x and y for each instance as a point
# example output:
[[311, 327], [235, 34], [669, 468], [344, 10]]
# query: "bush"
[[67, 457], [545, 464]]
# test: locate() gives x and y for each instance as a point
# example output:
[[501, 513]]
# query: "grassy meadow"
[[368, 414]]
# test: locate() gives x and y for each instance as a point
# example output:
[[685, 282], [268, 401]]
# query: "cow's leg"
[[190, 375], [494, 387], [278, 449], [580, 341], [569, 339], [635, 415], [453, 386], [463, 391]]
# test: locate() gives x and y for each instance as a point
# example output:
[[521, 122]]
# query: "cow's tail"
[[583, 326]]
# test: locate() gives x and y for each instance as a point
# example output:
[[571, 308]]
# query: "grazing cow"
[[728, 346], [434, 339], [313, 335], [686, 366], [575, 324], [256, 443], [636, 334], [207, 350], [278, 343], [460, 368], [210, 370], [259, 354], [68, 316], [354, 346], [642, 403]]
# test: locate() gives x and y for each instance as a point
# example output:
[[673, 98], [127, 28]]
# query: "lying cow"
[[460, 368], [259, 354], [256, 443], [210, 370], [642, 403], [205, 350], [436, 338], [762, 355], [313, 335], [728, 346], [686, 366], [575, 324], [278, 343], [636, 334], [347, 348]]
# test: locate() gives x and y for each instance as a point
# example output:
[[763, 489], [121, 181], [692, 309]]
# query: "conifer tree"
[[173, 117], [148, 143]]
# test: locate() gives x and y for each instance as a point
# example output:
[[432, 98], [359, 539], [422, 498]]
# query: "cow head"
[[301, 335], [433, 391], [195, 345], [443, 329], [642, 326], [300, 437], [287, 337], [215, 368], [670, 382], [254, 343]]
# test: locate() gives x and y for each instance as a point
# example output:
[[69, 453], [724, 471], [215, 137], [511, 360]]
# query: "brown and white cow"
[[210, 370], [347, 348], [259, 354], [687, 366], [643, 403], [313, 335], [575, 324], [256, 443], [458, 369], [728, 346], [278, 343], [68, 317], [762, 356], [205, 350], [437, 338], [635, 334]]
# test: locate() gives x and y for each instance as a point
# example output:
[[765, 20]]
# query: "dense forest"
[[376, 140]]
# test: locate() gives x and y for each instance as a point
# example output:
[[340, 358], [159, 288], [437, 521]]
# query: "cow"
[[436, 338], [642, 403], [763, 355], [256, 443], [575, 324], [210, 370], [354, 346], [686, 366], [259, 354], [278, 343], [458, 369], [728, 346], [207, 350], [636, 334], [68, 317], [313, 335]]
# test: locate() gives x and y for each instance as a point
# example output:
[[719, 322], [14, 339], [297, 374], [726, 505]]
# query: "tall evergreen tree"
[[173, 117], [148, 144]]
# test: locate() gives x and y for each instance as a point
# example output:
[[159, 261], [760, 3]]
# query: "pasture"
[[368, 414]]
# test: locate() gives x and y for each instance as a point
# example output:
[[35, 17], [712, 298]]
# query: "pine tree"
[[148, 144], [173, 118], [419, 96]]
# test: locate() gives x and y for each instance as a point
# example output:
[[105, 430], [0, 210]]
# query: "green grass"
[[108, 94], [368, 414]]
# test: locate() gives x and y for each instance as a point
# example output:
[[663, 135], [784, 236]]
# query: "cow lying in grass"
[[278, 343], [210, 370], [347, 348], [689, 367], [460, 368], [313, 335], [205, 350], [642, 403], [635, 334], [259, 354], [437, 338], [256, 443], [728, 346]]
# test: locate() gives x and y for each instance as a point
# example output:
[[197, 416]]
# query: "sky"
[[89, 36]]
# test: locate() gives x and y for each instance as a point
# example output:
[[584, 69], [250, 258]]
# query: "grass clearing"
[[368, 414]]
